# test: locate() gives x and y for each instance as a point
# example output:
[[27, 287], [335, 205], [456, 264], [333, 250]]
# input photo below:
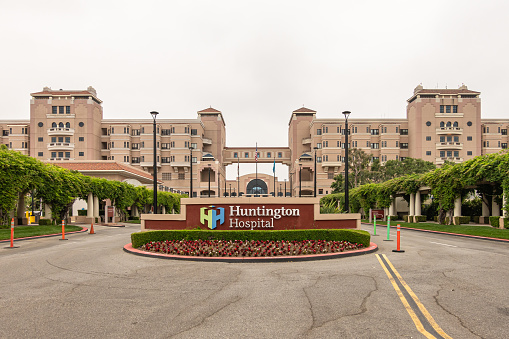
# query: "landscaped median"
[[473, 230], [36, 231], [253, 246]]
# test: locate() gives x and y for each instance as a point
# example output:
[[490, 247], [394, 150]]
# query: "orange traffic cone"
[[92, 228]]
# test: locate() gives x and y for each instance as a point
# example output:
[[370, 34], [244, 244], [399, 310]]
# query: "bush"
[[405, 218], [420, 218], [43, 222], [495, 221], [475, 219], [354, 236], [82, 213], [394, 217], [134, 218], [461, 220]]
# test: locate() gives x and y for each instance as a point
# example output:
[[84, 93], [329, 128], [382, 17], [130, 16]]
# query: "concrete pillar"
[[90, 206], [504, 204], [96, 207], [47, 211], [412, 204], [485, 209], [457, 206], [495, 209], [418, 203], [393, 210]]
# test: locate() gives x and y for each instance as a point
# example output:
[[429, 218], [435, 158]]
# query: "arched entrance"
[[257, 186]]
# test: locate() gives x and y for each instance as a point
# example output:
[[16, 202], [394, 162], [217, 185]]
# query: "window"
[[165, 160], [397, 144], [404, 131], [53, 139], [280, 154], [67, 154], [455, 124], [53, 154], [142, 130], [404, 145], [136, 132], [318, 159], [143, 144], [456, 138], [469, 152], [504, 131], [61, 124], [67, 109], [135, 160], [499, 144], [503, 145], [186, 130], [172, 144], [442, 124], [469, 138], [67, 139], [367, 143], [428, 152], [330, 175], [235, 155], [194, 145], [428, 123], [194, 131], [397, 129], [81, 154], [375, 145], [325, 129], [166, 176], [456, 153], [182, 176], [455, 109], [246, 155], [325, 158], [60, 139], [337, 131], [442, 154], [374, 132], [448, 108], [268, 154], [448, 124], [194, 159], [428, 138], [40, 139], [449, 138], [40, 154], [54, 109], [113, 144], [469, 123], [318, 132]]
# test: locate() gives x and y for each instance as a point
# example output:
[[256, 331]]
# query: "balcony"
[[207, 141], [180, 164], [450, 145], [440, 161], [306, 141], [60, 131], [60, 146], [149, 164], [450, 130]]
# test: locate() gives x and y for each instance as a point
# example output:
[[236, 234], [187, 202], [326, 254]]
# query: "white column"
[[90, 206], [96, 207], [412, 204], [495, 209], [504, 212], [485, 209], [457, 206], [163, 209], [418, 203], [47, 211]]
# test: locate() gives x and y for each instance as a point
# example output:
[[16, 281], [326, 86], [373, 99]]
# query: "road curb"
[[45, 236], [372, 248], [447, 233]]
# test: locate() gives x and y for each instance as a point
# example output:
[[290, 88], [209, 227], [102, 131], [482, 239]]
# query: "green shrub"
[[353, 236], [475, 219], [506, 222], [405, 218], [435, 218], [45, 222], [462, 220], [420, 218], [495, 221], [394, 217], [82, 213], [134, 218]]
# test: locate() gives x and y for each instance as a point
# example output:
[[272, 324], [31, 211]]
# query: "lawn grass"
[[481, 231], [32, 231]]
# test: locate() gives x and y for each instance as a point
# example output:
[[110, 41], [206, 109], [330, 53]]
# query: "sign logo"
[[212, 214]]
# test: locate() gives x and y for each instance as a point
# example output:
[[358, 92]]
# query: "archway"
[[257, 186]]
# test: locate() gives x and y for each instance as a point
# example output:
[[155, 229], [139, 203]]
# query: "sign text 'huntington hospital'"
[[265, 216]]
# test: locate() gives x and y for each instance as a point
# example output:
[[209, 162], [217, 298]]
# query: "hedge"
[[461, 220], [420, 218], [475, 219], [354, 236], [45, 222], [494, 221]]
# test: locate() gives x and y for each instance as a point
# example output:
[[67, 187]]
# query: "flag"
[[256, 153], [274, 167], [238, 167]]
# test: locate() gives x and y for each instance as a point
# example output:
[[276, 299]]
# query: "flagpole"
[[274, 171], [238, 175], [256, 160]]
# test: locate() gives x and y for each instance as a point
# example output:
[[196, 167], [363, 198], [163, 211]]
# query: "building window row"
[[61, 109], [448, 108]]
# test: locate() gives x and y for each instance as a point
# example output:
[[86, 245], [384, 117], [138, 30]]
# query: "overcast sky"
[[255, 61]]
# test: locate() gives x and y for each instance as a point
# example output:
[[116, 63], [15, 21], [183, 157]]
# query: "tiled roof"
[[102, 166], [304, 110], [446, 91], [209, 110], [63, 92]]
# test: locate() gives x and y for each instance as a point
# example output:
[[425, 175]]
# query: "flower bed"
[[252, 248]]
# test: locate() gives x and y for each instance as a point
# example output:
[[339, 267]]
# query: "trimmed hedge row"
[[45, 222], [354, 236], [495, 222]]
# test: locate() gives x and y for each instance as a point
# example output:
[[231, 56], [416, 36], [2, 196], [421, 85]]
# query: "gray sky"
[[253, 60]]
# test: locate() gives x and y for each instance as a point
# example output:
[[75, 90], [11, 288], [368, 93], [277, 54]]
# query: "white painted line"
[[439, 243]]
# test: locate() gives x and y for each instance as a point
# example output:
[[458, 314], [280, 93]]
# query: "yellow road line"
[[418, 302], [408, 308]]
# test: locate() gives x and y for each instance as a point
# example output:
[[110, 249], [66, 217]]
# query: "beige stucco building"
[[68, 126]]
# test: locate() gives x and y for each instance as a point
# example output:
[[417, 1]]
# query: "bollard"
[[388, 228], [398, 248], [12, 232], [92, 228], [374, 224], [63, 230]]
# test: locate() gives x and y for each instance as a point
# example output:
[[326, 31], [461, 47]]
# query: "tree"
[[338, 185], [358, 163]]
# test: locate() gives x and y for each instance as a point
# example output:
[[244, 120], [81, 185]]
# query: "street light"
[[191, 172], [154, 115], [314, 194], [209, 179], [285, 188], [230, 190], [300, 180], [279, 189], [347, 203]]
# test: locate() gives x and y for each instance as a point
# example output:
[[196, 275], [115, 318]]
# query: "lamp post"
[[285, 188], [300, 180], [230, 190], [280, 188], [209, 179], [154, 115], [314, 189], [347, 203], [191, 172]]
